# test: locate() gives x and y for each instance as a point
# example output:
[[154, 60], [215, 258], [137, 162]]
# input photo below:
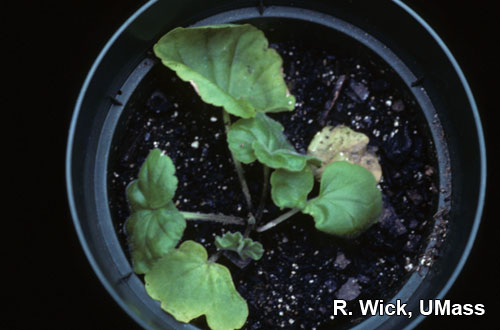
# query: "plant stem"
[[214, 257], [227, 219], [263, 196], [278, 220], [250, 226], [237, 165]]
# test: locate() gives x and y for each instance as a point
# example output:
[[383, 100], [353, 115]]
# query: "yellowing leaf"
[[188, 286], [343, 144], [229, 66]]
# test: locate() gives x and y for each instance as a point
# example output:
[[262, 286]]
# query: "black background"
[[50, 48]]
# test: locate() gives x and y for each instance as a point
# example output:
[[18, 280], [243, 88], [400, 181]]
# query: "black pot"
[[398, 36]]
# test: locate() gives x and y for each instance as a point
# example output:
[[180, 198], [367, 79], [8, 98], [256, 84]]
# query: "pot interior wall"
[[122, 67]]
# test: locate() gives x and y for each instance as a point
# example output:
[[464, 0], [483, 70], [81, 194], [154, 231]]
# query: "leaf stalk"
[[238, 166], [227, 219], [278, 220], [263, 196]]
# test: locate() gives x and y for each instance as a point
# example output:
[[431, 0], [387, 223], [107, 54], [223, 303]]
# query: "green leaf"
[[348, 202], [245, 247], [155, 226], [290, 189], [188, 286], [135, 197], [262, 138], [152, 234], [156, 184], [229, 66], [333, 144]]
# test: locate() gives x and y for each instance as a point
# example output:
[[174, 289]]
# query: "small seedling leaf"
[[188, 286], [262, 138], [245, 247], [229, 66], [290, 189], [349, 200]]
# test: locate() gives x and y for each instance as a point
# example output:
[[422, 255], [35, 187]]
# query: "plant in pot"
[[231, 66], [348, 106]]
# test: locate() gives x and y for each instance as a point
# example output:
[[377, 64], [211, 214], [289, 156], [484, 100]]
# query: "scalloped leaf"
[[155, 225], [229, 66], [188, 286], [348, 202], [262, 138], [152, 234], [156, 184], [333, 144], [290, 189], [245, 247]]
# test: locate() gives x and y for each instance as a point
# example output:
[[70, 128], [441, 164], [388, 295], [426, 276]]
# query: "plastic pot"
[[390, 30]]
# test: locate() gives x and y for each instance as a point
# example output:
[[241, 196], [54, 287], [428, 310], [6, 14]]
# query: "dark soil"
[[303, 270]]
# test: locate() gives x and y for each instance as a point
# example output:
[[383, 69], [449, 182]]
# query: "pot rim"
[[479, 131], [482, 151], [69, 151]]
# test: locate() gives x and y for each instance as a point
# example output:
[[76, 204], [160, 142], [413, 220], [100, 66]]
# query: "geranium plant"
[[232, 67]]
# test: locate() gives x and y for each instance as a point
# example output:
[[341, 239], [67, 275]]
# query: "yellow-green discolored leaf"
[[244, 246], [262, 138], [290, 189], [229, 66], [333, 144], [348, 202], [153, 233], [188, 286]]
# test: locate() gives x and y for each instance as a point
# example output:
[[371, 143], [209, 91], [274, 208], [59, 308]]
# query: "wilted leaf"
[[245, 247], [262, 138], [290, 189], [229, 66], [342, 143], [349, 200], [188, 286]]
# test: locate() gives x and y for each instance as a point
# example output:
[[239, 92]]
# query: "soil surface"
[[303, 270]]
